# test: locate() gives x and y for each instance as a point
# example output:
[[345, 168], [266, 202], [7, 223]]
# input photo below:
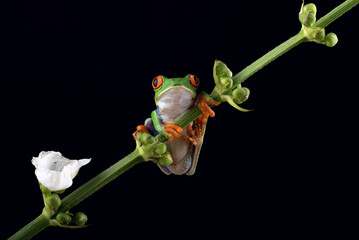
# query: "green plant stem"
[[100, 180], [31, 229], [336, 13], [183, 121], [291, 43], [134, 158], [267, 58]]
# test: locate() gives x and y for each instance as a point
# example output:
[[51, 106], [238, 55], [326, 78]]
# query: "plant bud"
[[165, 160], [240, 94], [307, 18], [310, 7], [222, 70], [63, 218], [226, 82], [160, 148], [147, 138], [320, 34], [143, 136], [53, 201], [80, 219], [331, 39]]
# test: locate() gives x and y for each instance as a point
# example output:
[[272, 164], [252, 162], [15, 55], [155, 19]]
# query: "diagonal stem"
[[290, 43], [31, 229], [267, 58], [100, 181], [336, 13]]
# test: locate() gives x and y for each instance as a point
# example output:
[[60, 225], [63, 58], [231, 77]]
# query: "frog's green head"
[[161, 85]]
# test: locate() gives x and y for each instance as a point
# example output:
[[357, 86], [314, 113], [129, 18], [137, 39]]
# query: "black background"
[[76, 78]]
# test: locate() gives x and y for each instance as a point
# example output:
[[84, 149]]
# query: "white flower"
[[55, 171]]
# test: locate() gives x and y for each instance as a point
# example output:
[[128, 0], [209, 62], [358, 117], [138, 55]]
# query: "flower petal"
[[84, 161], [54, 181], [74, 168], [55, 171]]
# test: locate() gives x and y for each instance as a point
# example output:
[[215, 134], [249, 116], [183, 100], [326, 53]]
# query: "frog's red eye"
[[194, 80], [157, 82]]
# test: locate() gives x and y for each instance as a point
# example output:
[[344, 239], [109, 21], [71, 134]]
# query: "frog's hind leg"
[[191, 135]]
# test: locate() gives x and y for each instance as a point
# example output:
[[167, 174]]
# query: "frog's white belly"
[[172, 104]]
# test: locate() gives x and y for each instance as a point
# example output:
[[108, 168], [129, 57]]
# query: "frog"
[[173, 98]]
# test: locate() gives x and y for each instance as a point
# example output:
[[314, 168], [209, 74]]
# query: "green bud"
[[165, 160], [53, 201], [147, 138], [143, 136], [331, 39], [320, 35], [160, 148], [226, 82], [310, 7], [240, 94], [63, 218], [80, 219], [307, 18], [222, 70]]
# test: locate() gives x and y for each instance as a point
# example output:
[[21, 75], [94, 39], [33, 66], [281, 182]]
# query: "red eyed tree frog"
[[173, 97]]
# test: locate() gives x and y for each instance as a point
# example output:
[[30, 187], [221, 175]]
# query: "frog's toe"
[[140, 128], [206, 110], [172, 130], [203, 104], [191, 135]]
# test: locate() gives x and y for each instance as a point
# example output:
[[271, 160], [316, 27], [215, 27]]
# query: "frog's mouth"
[[176, 89]]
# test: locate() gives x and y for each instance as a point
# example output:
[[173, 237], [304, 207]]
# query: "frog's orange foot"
[[172, 130], [141, 128], [203, 104], [191, 136]]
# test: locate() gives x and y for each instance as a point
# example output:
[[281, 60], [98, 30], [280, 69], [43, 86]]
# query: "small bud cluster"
[[52, 202], [153, 150], [307, 16], [65, 219], [224, 84]]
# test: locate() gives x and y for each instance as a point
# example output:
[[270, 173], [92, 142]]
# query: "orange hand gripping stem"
[[172, 130], [141, 128], [203, 104]]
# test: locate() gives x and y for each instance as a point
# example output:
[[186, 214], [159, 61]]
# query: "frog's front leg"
[[169, 130], [204, 102]]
